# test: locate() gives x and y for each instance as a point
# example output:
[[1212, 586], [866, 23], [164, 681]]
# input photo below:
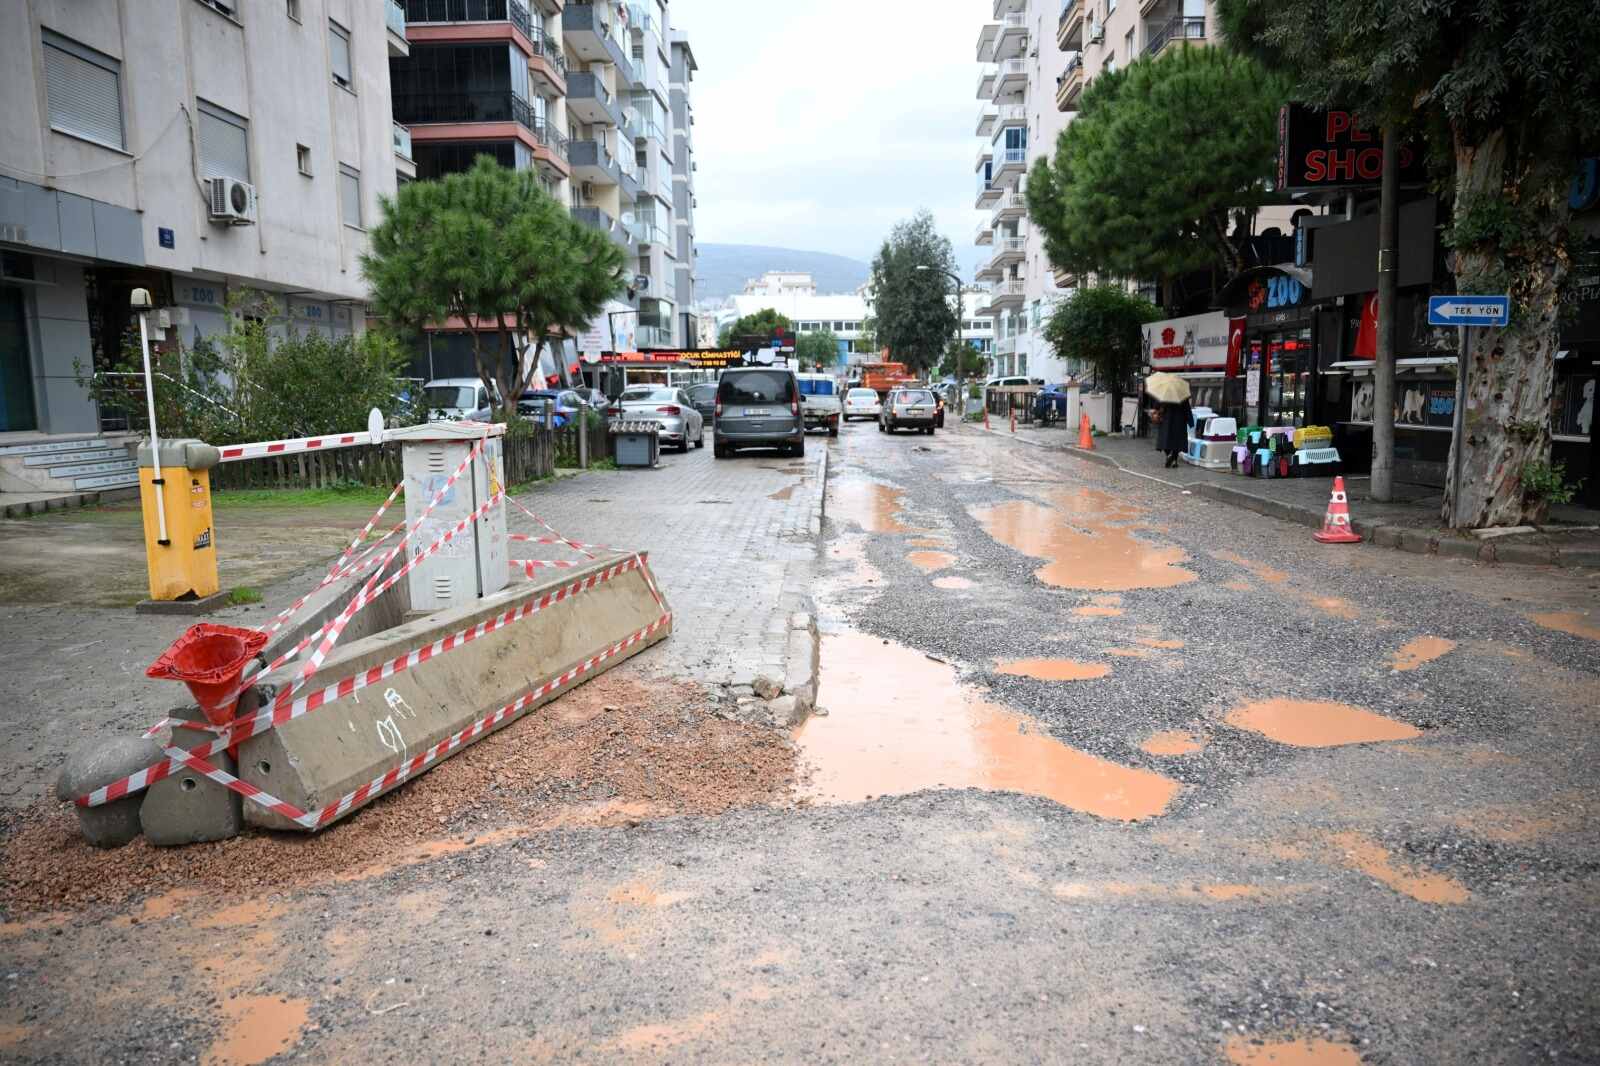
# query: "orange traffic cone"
[[1336, 525], [1085, 434]]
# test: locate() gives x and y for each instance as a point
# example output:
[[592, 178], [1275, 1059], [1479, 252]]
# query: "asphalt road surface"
[[1108, 774]]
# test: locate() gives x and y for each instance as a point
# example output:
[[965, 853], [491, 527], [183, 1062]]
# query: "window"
[[84, 89], [302, 159], [339, 48], [1111, 5], [294, 9], [224, 7], [350, 195], [224, 143], [1128, 46]]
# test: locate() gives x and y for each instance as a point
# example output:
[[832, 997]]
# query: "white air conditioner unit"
[[1097, 34], [231, 201]]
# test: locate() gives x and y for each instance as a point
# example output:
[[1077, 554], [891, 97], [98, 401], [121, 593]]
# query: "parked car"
[[1051, 403], [909, 409], [862, 403], [819, 402], [758, 407], [704, 398], [680, 423], [1013, 380], [568, 405], [454, 399]]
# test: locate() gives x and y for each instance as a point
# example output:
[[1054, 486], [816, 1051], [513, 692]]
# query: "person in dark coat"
[[1173, 433]]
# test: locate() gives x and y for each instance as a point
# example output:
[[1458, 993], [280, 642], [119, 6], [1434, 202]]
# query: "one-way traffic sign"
[[1469, 310]]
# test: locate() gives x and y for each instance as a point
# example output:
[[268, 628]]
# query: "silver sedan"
[[680, 423]]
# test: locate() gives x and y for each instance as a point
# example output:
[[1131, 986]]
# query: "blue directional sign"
[[1469, 310]]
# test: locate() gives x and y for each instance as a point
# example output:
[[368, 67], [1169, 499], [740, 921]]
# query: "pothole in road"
[[1100, 556], [929, 561], [1419, 652], [1053, 669], [900, 723], [952, 584], [1574, 622], [870, 505], [1317, 723], [1307, 1051]]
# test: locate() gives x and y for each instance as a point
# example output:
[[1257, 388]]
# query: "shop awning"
[[1365, 366]]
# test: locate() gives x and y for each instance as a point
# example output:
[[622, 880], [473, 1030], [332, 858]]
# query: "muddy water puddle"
[[1578, 623], [1368, 856], [952, 584], [1173, 742], [1305, 1051], [931, 561], [1419, 652], [871, 505], [1053, 669], [899, 723], [1317, 723], [1085, 543], [257, 1028]]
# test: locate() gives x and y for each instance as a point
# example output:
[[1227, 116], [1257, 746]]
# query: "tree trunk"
[[1382, 485], [1506, 424]]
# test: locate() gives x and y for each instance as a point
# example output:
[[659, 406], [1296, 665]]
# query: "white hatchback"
[[862, 403]]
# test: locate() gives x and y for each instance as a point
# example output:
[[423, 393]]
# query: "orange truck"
[[881, 377]]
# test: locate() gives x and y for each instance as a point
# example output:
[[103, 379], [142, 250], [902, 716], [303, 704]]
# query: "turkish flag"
[[1235, 346], [1367, 335]]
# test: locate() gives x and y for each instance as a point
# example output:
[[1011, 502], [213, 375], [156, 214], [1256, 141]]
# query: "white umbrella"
[[1166, 388]]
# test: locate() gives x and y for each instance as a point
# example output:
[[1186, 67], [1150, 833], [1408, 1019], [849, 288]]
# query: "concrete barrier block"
[[95, 764], [187, 807], [316, 760]]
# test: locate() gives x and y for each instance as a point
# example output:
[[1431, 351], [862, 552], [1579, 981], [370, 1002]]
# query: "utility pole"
[[961, 313], [1388, 286]]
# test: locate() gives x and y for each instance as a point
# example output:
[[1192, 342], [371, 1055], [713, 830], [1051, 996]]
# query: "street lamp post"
[[961, 315]]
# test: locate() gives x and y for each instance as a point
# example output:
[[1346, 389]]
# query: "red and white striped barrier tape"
[[581, 549], [381, 784], [244, 728], [531, 567]]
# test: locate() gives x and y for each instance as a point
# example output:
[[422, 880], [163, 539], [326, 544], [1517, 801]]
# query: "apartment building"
[[201, 149], [581, 93], [683, 169]]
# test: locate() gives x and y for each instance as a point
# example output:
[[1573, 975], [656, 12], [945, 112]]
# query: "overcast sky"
[[821, 123]]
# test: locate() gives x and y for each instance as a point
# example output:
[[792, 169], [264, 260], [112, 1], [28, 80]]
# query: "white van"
[[454, 399]]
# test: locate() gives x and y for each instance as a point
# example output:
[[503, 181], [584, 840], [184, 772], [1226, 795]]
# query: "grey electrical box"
[[636, 443], [475, 563]]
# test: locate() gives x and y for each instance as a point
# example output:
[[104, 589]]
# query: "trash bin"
[[636, 443]]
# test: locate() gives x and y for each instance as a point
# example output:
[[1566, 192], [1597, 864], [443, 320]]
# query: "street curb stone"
[[1416, 542]]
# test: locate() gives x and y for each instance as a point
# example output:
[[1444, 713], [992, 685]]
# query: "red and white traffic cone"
[[1336, 524]]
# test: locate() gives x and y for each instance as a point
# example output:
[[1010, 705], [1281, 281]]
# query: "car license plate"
[[751, 411]]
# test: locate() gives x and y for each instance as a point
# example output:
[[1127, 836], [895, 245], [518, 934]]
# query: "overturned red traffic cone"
[[1336, 524]]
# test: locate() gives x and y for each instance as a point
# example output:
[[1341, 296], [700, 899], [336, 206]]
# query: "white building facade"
[[847, 315], [204, 150]]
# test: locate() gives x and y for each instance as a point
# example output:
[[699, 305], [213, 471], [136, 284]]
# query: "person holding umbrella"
[[1171, 394]]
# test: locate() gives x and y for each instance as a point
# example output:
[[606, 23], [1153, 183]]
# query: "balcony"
[[984, 273], [1178, 29], [1008, 294], [1070, 85], [592, 36], [984, 236], [1011, 205], [1003, 8], [551, 156], [1010, 77], [986, 83], [650, 232], [988, 191], [985, 160], [404, 161], [593, 162], [986, 120], [1008, 115], [640, 20], [394, 18], [1009, 163], [590, 101], [986, 38], [492, 106], [547, 65], [595, 218], [1069, 28], [1008, 250], [1147, 6], [1012, 43]]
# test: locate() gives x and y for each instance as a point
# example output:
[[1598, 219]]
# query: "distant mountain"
[[722, 269]]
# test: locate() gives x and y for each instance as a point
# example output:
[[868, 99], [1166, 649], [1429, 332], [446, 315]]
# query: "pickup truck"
[[819, 402]]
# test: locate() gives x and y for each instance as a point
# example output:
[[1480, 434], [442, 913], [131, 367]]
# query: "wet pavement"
[[1108, 774]]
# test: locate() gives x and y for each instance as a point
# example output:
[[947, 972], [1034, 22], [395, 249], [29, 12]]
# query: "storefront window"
[[1289, 381], [1572, 406]]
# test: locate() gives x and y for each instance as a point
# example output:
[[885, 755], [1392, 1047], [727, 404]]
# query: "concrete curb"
[[69, 501], [1400, 538]]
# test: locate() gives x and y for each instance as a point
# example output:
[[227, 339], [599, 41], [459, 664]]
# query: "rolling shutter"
[[84, 91], [224, 143]]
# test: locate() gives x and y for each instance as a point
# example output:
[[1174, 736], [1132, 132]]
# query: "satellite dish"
[[642, 282]]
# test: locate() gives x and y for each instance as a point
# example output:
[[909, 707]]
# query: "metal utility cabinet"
[[636, 443], [475, 563]]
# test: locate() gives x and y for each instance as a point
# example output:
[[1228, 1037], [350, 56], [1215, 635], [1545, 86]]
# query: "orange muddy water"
[[870, 505], [1317, 723], [1420, 651], [1081, 546], [952, 583], [928, 562], [256, 1028], [1053, 669], [1578, 624], [899, 722], [1173, 742], [1309, 1051]]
